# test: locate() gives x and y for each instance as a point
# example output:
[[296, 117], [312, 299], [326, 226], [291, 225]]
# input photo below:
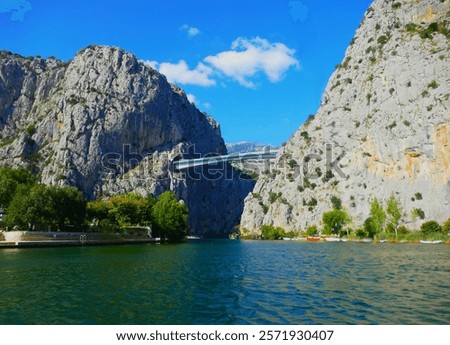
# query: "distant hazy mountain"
[[246, 146]]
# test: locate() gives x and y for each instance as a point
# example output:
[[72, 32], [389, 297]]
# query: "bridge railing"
[[190, 163]]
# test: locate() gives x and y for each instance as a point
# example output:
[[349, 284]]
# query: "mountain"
[[247, 146], [106, 123], [382, 129]]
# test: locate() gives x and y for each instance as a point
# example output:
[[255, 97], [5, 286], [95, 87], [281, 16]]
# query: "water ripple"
[[227, 282]]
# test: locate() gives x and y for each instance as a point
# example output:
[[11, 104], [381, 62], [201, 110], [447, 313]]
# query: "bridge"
[[190, 163]]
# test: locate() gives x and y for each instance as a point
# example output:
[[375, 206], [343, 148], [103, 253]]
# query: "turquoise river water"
[[227, 282]]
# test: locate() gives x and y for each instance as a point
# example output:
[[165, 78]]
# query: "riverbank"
[[31, 239]]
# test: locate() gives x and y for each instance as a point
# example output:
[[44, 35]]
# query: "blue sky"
[[258, 67]]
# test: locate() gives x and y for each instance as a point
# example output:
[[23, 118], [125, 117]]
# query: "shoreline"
[[31, 239]]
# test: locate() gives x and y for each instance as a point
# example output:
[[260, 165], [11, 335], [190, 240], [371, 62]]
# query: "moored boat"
[[312, 239], [430, 242], [193, 237], [332, 239]]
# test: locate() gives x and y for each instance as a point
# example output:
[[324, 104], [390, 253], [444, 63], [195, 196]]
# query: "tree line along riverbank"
[[384, 224], [28, 205]]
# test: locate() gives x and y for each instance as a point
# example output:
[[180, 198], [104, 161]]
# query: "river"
[[227, 282]]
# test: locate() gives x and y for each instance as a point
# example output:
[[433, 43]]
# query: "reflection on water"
[[227, 282]]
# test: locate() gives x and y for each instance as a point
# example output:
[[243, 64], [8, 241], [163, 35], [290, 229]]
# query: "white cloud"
[[190, 30], [191, 98], [153, 64], [248, 57], [179, 73], [194, 100]]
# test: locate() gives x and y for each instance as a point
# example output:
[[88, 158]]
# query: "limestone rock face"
[[106, 123], [385, 114]]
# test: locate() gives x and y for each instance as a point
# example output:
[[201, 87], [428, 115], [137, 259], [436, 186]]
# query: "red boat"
[[313, 239]]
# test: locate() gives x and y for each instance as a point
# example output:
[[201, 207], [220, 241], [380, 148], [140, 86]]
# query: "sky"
[[258, 67]]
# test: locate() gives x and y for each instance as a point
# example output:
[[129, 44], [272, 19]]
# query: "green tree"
[[10, 180], [394, 213], [378, 216], [269, 232], [170, 217], [369, 228], [69, 206], [334, 221], [446, 226], [120, 211], [431, 227], [97, 210], [131, 209], [43, 208], [312, 230]]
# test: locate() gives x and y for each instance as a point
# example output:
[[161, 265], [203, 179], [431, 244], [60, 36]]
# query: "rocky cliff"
[[382, 129], [106, 123]]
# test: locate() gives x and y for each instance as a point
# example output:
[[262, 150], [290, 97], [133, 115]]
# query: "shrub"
[[306, 136], [312, 202], [360, 233], [334, 220], [403, 230], [309, 119], [446, 226], [269, 232], [336, 202], [430, 227], [418, 213], [418, 196], [433, 84], [328, 176], [31, 129], [265, 208], [273, 197], [427, 33], [369, 227], [411, 27], [392, 125], [292, 163], [382, 40], [312, 230]]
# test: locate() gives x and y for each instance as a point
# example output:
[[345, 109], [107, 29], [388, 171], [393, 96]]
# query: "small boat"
[[430, 242], [193, 238], [332, 239], [287, 238], [383, 241], [312, 239]]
